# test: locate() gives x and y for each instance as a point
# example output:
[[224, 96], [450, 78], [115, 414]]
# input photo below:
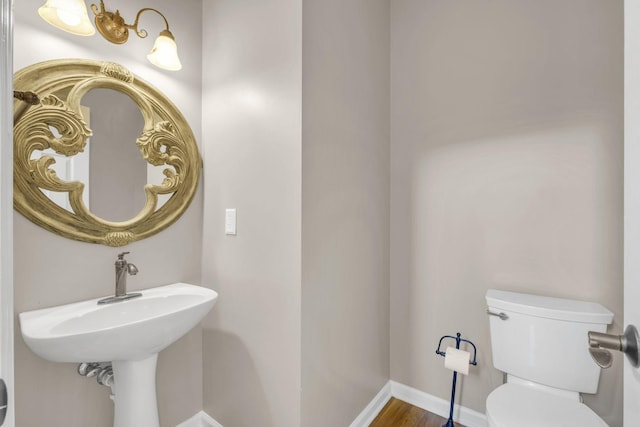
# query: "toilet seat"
[[516, 405]]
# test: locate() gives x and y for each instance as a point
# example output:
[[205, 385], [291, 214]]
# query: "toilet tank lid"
[[549, 307]]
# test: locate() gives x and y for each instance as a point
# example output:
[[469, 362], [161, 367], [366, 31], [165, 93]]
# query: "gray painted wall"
[[286, 119], [51, 270], [506, 172], [345, 208], [252, 155]]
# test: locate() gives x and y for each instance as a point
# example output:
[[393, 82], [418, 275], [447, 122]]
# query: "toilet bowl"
[[541, 344], [512, 405]]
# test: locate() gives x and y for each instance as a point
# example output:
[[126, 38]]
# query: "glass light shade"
[[165, 52], [68, 15]]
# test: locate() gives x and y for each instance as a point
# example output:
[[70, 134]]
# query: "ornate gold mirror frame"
[[166, 139]]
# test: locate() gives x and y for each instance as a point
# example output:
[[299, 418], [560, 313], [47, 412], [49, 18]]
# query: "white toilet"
[[541, 344]]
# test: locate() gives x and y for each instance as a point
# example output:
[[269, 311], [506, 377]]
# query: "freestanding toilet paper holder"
[[449, 422]]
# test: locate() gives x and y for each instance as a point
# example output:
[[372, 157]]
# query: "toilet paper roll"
[[457, 360]]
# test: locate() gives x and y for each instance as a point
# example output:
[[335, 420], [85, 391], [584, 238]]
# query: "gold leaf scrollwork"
[[47, 179], [34, 128], [161, 146], [118, 238], [117, 71]]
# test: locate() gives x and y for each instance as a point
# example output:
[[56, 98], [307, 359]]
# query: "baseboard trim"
[[467, 417], [201, 419], [374, 407]]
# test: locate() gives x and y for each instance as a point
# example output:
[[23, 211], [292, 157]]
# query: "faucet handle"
[[121, 256]]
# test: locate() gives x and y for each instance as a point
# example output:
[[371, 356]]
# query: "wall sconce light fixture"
[[71, 16], [68, 15]]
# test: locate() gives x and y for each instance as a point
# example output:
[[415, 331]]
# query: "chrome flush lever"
[[600, 344], [501, 315]]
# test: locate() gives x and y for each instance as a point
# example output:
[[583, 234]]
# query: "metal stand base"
[[449, 422]]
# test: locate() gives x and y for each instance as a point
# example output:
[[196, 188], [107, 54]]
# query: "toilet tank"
[[545, 339]]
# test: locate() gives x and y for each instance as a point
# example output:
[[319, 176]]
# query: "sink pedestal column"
[[135, 393]]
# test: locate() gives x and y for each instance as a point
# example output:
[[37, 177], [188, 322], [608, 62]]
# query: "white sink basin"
[[129, 334], [127, 330]]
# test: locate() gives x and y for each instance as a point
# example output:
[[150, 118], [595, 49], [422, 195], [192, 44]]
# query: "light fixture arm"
[[113, 27], [143, 33]]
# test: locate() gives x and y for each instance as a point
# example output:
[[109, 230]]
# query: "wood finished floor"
[[397, 413]]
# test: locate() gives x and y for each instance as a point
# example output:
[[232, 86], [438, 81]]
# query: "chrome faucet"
[[123, 268]]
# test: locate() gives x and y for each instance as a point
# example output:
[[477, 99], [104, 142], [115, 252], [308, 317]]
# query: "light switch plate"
[[230, 222]]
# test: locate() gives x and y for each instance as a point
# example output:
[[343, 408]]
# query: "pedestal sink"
[[129, 334]]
